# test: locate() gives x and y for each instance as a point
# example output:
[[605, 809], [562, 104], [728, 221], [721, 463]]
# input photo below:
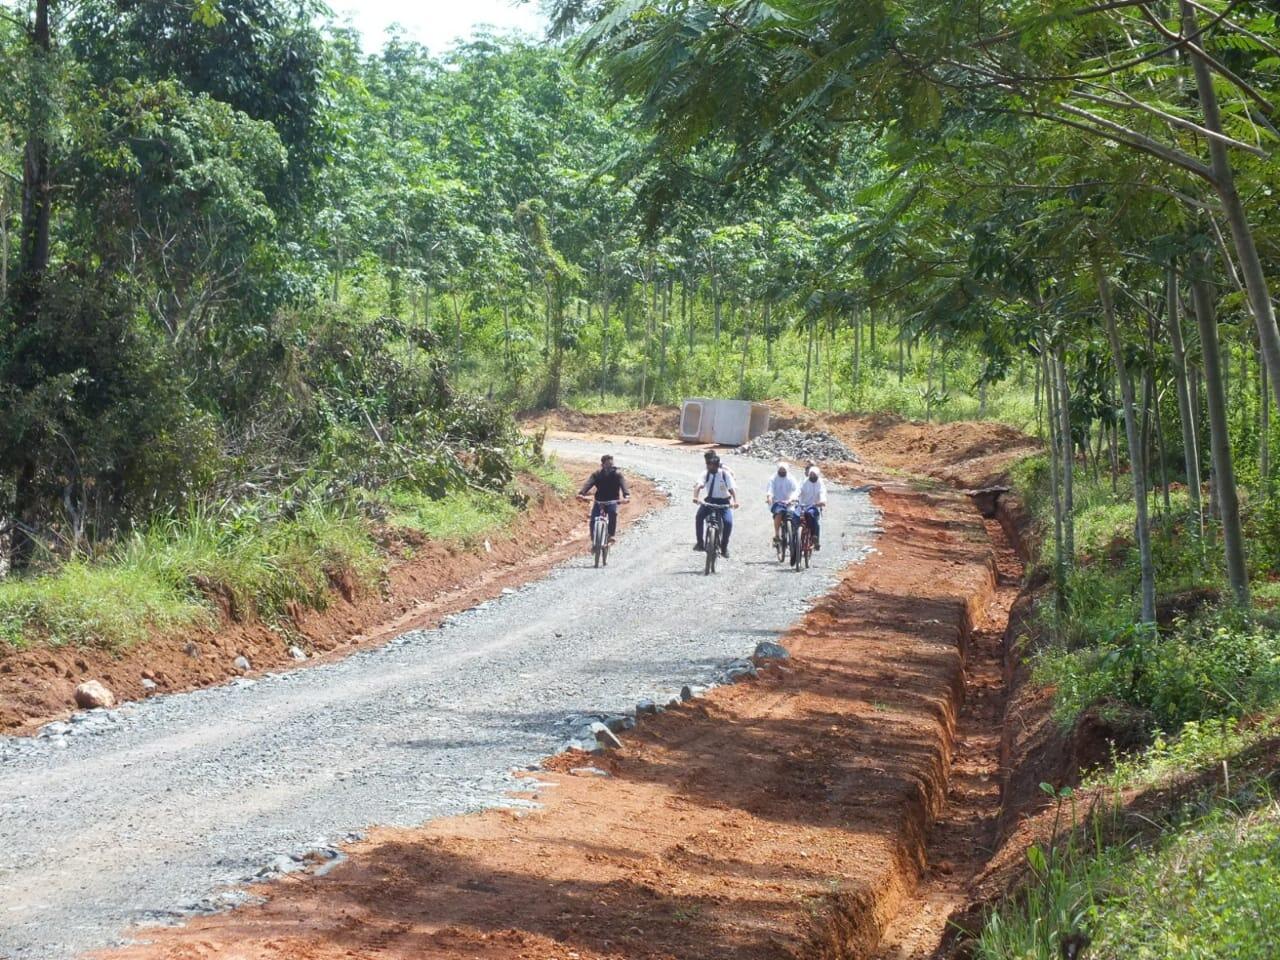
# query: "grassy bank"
[[1197, 872], [252, 563]]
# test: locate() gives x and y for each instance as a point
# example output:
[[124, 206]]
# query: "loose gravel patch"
[[148, 813], [799, 446]]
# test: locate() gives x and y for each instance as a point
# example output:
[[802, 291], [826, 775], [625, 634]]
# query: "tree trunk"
[[660, 386], [746, 347], [715, 304], [1264, 424], [1055, 485], [808, 362], [37, 176], [857, 353], [604, 343], [506, 336], [1182, 386], [1219, 443], [1068, 454], [1255, 279], [1137, 468]]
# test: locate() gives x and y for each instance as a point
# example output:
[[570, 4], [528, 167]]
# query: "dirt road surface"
[[145, 814]]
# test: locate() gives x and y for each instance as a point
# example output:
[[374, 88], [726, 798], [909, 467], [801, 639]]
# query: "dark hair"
[[606, 458]]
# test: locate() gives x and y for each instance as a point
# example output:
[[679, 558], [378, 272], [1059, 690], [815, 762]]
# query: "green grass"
[[177, 572], [461, 516], [550, 472], [163, 578], [1198, 745], [1207, 887]]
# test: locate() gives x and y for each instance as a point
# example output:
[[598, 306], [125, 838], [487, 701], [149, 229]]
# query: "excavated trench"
[[835, 807]]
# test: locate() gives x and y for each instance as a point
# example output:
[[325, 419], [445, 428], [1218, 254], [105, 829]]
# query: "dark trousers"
[[814, 516], [611, 509], [701, 519]]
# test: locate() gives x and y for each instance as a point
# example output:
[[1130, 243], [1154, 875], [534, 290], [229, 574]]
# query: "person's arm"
[[733, 489], [591, 482], [626, 492], [822, 493], [697, 490]]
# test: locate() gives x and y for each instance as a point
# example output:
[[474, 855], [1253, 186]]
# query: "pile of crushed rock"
[[798, 446]]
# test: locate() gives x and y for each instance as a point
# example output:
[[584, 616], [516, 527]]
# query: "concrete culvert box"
[[732, 422]]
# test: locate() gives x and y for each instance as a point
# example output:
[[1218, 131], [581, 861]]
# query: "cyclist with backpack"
[[611, 487], [718, 483]]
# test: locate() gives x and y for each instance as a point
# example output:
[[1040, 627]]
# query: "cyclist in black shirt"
[[611, 487]]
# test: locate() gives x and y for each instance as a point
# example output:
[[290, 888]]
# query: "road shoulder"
[[424, 582], [782, 816]]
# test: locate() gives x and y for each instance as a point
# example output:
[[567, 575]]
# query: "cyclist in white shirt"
[[779, 495], [718, 482], [813, 497]]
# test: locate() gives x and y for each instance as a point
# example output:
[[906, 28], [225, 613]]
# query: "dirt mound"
[[659, 421], [435, 580], [965, 454]]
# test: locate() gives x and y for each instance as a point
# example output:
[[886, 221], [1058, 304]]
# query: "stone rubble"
[[797, 446]]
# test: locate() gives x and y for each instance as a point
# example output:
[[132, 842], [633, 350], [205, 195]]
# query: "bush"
[[1222, 664]]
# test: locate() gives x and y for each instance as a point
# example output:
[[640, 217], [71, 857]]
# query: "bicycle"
[[712, 533], [782, 543], [806, 542], [600, 533]]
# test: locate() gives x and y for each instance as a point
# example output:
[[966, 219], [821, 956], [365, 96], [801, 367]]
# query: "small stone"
[[92, 695], [242, 664], [281, 864], [55, 729], [604, 735], [617, 724], [297, 653], [508, 591], [191, 650], [646, 706], [588, 772], [691, 691], [582, 746], [148, 684], [766, 650]]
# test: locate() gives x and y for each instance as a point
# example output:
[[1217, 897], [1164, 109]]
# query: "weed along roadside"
[[785, 815], [425, 560]]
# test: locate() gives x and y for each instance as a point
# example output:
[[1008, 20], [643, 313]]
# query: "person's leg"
[[698, 521], [728, 532], [613, 520], [815, 521], [595, 512], [777, 522]]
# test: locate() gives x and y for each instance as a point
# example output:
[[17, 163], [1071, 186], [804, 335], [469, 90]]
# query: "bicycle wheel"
[[712, 543], [795, 549], [599, 542], [806, 544], [780, 542]]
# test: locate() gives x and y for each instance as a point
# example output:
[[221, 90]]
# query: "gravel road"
[[154, 811]]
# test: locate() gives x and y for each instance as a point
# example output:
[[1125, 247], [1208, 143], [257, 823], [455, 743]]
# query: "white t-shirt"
[[718, 484], [813, 493], [782, 489]]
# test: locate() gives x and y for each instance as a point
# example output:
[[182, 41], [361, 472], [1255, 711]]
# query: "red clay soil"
[[966, 454], [963, 838], [37, 685], [782, 817]]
